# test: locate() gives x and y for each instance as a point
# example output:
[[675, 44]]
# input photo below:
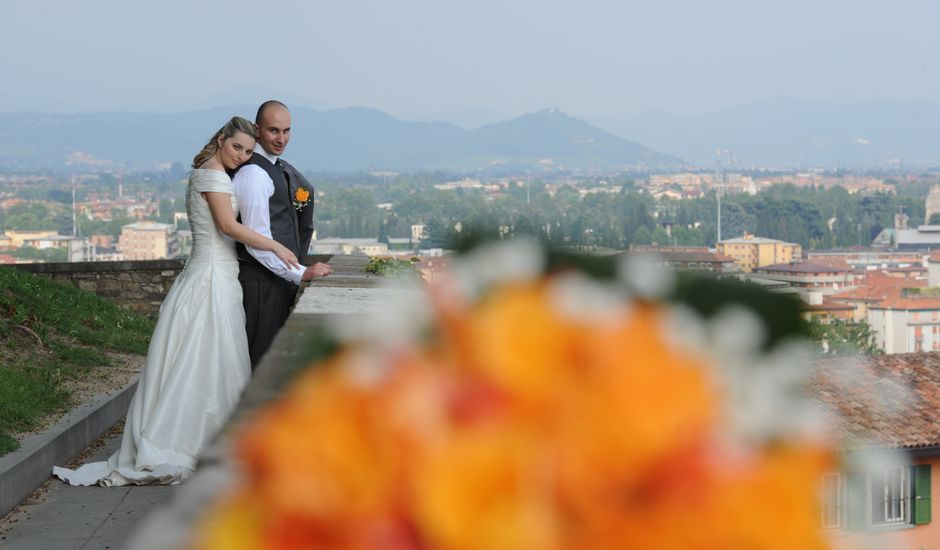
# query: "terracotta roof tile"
[[878, 287], [891, 401], [908, 302]]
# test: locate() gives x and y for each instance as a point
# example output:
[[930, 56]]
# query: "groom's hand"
[[316, 270]]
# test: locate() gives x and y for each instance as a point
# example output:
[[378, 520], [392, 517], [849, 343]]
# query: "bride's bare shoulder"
[[212, 164]]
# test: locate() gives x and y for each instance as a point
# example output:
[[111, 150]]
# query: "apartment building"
[[749, 251], [147, 240]]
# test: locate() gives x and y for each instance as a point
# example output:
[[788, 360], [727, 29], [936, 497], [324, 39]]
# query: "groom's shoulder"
[[288, 165], [249, 171], [294, 171], [257, 161]]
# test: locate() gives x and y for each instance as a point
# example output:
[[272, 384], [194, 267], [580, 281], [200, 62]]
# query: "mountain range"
[[780, 133], [790, 133], [341, 140]]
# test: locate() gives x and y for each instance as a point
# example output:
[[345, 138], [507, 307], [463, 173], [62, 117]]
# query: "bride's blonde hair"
[[236, 124]]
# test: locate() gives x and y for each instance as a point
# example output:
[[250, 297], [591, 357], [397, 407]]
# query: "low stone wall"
[[136, 285]]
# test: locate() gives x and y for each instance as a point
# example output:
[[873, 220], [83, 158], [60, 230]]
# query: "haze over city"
[[466, 62]]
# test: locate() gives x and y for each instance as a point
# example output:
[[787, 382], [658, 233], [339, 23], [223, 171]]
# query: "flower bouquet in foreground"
[[542, 401]]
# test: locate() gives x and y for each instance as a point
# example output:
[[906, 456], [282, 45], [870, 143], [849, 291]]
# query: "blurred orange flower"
[[517, 427]]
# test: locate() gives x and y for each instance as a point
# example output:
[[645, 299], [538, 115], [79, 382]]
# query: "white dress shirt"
[[253, 189]]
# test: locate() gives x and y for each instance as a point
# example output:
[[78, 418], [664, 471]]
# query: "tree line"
[[376, 207], [815, 218]]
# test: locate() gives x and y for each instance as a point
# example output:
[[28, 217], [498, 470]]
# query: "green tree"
[[843, 337], [660, 237], [685, 236], [642, 236], [45, 255], [30, 217], [438, 235]]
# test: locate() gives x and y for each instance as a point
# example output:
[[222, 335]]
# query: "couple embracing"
[[224, 308]]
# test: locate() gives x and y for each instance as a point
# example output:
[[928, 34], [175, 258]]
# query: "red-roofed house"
[[873, 289], [884, 404], [908, 322]]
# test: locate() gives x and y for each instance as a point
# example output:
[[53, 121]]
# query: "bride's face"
[[236, 150]]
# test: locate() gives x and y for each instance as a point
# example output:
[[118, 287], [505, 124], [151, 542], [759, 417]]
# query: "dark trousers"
[[268, 300]]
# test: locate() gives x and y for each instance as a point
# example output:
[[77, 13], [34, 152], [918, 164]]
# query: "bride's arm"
[[220, 204]]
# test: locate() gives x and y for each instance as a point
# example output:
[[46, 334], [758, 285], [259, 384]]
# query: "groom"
[[275, 200]]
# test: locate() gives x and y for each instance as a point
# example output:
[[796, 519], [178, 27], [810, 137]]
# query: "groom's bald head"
[[259, 116]]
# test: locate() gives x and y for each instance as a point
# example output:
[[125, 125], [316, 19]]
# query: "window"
[[889, 496], [832, 501], [884, 498]]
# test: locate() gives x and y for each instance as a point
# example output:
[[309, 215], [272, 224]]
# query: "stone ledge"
[[24, 470], [84, 267]]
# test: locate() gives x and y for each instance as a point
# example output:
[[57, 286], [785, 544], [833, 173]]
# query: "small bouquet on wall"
[[542, 401]]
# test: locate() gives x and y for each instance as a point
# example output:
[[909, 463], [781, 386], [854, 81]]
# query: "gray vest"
[[284, 225]]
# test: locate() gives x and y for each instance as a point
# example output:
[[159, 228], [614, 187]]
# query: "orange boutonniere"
[[301, 198]]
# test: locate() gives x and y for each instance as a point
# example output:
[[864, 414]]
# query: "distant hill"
[[349, 139], [790, 133]]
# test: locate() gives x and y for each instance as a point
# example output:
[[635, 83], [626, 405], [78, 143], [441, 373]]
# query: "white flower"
[[645, 277], [517, 259], [585, 300]]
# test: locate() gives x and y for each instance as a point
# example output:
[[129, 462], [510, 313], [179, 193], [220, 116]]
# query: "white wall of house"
[[896, 330]]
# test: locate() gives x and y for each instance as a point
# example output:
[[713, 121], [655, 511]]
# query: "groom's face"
[[274, 130]]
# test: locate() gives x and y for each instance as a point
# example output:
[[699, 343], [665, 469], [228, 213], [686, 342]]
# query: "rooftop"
[[687, 256], [750, 239], [885, 402], [800, 267], [908, 303]]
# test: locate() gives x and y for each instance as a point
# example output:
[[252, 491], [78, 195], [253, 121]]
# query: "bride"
[[197, 363]]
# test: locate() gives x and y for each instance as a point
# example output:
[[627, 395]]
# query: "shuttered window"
[[883, 498], [921, 488]]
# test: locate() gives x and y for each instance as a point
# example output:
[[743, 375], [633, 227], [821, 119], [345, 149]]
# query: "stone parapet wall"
[[139, 285]]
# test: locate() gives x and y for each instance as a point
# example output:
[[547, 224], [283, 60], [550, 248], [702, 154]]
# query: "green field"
[[50, 333]]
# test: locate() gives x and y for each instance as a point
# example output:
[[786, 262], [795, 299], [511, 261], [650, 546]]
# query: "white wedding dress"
[[197, 364]]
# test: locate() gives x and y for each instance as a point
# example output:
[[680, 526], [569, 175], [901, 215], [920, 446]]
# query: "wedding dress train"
[[197, 363]]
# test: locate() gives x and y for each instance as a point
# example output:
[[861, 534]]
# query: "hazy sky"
[[613, 58]]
